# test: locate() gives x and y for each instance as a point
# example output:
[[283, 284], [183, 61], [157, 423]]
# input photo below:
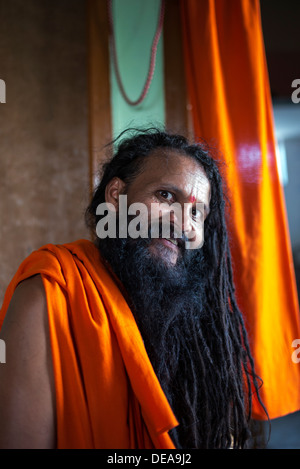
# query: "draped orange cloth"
[[231, 107], [107, 394]]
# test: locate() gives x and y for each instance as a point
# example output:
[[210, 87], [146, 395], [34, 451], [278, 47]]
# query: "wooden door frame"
[[177, 108]]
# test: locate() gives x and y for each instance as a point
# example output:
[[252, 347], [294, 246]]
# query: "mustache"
[[168, 231], [162, 230]]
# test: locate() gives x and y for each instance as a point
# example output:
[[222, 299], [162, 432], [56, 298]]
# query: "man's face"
[[169, 177]]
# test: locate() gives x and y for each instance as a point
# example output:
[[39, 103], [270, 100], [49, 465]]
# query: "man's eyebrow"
[[175, 189]]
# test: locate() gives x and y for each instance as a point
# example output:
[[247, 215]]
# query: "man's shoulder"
[[29, 293], [27, 377], [56, 260], [82, 247], [34, 283]]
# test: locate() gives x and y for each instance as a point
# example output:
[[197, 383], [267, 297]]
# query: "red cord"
[[152, 58]]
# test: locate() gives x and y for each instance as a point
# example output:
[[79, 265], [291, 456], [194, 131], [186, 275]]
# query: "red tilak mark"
[[192, 199]]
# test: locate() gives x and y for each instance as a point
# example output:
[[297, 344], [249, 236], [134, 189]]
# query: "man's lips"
[[169, 242]]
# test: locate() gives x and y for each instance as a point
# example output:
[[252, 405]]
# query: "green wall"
[[135, 23]]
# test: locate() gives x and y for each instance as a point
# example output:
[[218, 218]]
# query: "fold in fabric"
[[107, 394], [231, 106]]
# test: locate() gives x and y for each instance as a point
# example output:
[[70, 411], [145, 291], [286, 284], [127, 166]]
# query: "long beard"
[[159, 294], [181, 337], [166, 301]]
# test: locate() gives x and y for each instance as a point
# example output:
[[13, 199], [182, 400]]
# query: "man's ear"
[[114, 188]]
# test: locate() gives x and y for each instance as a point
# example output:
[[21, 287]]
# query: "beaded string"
[[152, 58]]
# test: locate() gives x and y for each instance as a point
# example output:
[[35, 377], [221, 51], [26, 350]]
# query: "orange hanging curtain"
[[229, 92]]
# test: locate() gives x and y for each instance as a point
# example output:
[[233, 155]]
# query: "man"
[[132, 341]]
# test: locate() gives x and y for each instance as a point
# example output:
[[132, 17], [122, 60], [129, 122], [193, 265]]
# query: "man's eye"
[[197, 213], [166, 195]]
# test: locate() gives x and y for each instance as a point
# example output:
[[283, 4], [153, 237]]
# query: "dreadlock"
[[208, 371]]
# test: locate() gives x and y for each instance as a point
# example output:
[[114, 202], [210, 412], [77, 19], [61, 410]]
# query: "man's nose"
[[181, 217], [187, 225]]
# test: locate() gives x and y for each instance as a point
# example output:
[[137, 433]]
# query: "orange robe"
[[229, 91], [107, 394]]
